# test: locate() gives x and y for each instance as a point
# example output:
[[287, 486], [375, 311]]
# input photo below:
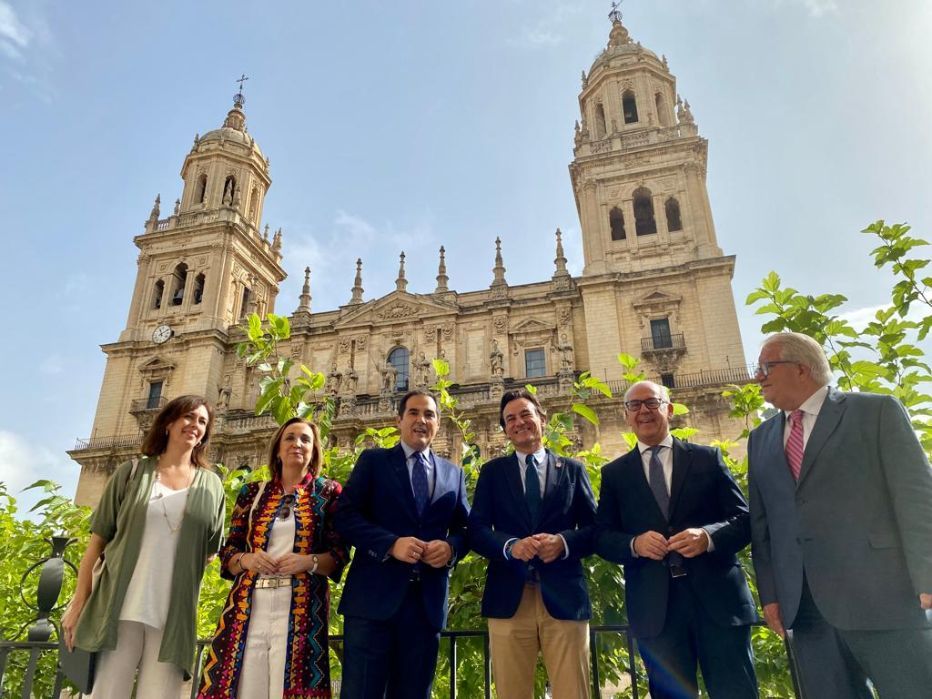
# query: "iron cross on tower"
[[239, 98], [615, 14]]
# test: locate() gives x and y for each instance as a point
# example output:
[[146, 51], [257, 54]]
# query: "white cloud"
[[817, 8], [550, 25], [12, 30], [860, 317], [22, 463]]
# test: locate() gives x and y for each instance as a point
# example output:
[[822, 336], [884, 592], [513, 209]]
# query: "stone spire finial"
[[277, 241], [499, 270], [683, 113], [265, 233], [305, 305], [560, 260], [357, 284], [401, 284], [619, 35], [154, 214], [442, 277], [177, 206], [236, 119]]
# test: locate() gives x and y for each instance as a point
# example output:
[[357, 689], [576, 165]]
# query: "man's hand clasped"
[[689, 543], [410, 549]]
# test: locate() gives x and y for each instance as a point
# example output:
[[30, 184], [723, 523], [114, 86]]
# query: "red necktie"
[[794, 444]]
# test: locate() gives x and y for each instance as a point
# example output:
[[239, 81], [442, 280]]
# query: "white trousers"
[[137, 647], [262, 674]]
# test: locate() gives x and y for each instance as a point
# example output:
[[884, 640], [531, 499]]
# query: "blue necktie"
[[658, 485], [532, 487], [419, 482]]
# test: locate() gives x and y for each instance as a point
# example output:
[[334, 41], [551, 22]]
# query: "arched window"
[[629, 107], [199, 288], [400, 358], [599, 120], [244, 302], [661, 107], [644, 222], [229, 190], [672, 208], [157, 294], [201, 189], [616, 220], [179, 279]]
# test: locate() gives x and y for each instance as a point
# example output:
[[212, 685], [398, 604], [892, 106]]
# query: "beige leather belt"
[[273, 582]]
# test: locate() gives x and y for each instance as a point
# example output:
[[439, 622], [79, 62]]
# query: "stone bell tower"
[[199, 272], [653, 267]]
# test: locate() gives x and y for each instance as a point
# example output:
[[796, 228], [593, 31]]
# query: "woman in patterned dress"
[[271, 640]]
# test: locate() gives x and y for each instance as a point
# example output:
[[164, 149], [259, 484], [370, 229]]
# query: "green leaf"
[[586, 412]]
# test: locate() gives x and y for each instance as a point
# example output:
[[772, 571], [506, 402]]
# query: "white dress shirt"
[[810, 407], [540, 465], [666, 459], [409, 462]]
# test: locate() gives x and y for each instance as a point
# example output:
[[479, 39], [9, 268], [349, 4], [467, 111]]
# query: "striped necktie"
[[794, 444]]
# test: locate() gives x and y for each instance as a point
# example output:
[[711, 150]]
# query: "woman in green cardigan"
[[159, 521]]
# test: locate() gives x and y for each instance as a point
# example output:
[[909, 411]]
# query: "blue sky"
[[410, 125]]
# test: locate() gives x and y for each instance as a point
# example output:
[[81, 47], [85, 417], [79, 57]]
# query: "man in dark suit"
[[405, 511], [841, 522], [532, 517], [672, 514]]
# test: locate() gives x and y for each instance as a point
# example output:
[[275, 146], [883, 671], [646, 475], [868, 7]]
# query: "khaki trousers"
[[516, 642]]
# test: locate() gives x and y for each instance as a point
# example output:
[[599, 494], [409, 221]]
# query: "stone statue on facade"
[[389, 375], [333, 379], [566, 354], [350, 381], [496, 360], [228, 193], [422, 372]]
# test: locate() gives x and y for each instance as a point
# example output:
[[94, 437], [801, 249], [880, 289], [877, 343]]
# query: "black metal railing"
[[120, 440], [660, 343]]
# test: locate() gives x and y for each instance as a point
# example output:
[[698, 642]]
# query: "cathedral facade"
[[655, 284]]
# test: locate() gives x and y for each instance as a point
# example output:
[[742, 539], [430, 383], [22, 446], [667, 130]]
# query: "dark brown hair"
[[156, 440], [402, 404], [317, 450], [517, 394]]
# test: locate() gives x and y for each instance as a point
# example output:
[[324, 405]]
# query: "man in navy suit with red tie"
[[405, 511], [672, 514], [532, 517]]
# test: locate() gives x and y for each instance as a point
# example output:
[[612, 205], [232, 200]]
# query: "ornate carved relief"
[[396, 311]]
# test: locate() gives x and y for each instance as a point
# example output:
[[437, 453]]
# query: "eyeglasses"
[[651, 403], [284, 509], [764, 368]]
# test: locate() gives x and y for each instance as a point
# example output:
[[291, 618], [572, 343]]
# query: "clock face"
[[161, 334]]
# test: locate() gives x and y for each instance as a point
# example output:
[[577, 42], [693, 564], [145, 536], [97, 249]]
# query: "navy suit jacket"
[[500, 513], [703, 493], [858, 524], [376, 508]]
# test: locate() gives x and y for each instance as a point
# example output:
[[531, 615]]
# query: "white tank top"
[[149, 590], [281, 540]]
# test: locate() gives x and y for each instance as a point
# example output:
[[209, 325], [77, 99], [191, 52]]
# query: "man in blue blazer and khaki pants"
[[841, 522], [532, 517], [405, 511], [672, 514]]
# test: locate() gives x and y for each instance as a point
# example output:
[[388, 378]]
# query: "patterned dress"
[[307, 668]]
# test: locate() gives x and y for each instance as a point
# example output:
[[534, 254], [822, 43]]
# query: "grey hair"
[[796, 347], [659, 388]]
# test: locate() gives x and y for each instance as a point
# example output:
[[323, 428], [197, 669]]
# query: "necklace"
[[172, 528]]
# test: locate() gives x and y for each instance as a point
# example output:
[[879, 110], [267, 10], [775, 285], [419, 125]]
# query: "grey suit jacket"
[[858, 522]]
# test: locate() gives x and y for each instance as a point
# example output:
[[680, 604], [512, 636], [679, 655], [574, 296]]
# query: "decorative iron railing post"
[[452, 666]]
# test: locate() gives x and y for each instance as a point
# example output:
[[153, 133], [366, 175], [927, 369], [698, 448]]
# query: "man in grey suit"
[[841, 529]]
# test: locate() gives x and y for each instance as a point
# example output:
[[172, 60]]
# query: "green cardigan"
[[120, 519]]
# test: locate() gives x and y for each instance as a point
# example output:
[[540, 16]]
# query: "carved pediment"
[[396, 307], [658, 305], [532, 333], [156, 368]]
